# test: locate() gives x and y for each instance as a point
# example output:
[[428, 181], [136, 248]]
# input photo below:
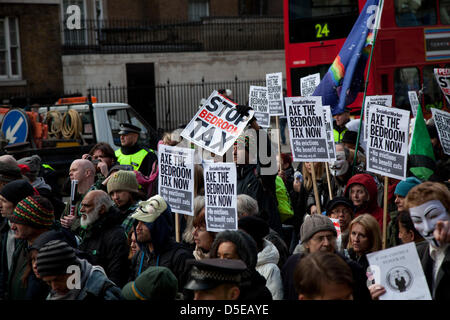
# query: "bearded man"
[[102, 238]]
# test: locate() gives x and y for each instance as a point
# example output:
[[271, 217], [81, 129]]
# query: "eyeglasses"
[[320, 239]]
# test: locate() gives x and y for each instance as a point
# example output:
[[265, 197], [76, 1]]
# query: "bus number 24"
[[322, 31]]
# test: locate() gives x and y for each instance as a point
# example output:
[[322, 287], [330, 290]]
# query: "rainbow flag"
[[345, 77]]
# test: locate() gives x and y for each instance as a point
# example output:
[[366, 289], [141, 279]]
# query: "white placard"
[[257, 100], [274, 84], [375, 100], [442, 123], [443, 79], [307, 131], [176, 178], [387, 146], [308, 84], [329, 129], [216, 125], [414, 102], [399, 271], [220, 196]]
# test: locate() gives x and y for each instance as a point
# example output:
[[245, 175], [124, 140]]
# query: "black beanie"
[[17, 190], [54, 258], [256, 227]]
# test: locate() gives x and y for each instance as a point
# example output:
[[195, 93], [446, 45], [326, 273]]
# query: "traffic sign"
[[15, 126]]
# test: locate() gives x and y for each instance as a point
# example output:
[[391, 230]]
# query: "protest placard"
[[374, 100], [257, 100], [388, 141], [443, 78], [176, 178], [274, 84], [399, 271], [442, 123], [220, 196], [336, 225], [414, 102], [307, 129], [308, 84], [216, 125], [329, 130]]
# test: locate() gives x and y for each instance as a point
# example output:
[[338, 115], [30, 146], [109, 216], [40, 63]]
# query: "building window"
[[405, 79], [198, 9], [10, 68]]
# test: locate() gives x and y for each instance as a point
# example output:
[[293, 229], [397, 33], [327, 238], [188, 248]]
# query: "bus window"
[[405, 79], [432, 94], [297, 73], [409, 13], [318, 20], [444, 9]]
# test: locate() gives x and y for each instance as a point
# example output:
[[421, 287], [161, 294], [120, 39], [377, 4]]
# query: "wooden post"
[[329, 180], [177, 227], [385, 208], [316, 192]]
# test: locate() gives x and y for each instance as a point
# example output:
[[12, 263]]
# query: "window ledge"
[[12, 83]]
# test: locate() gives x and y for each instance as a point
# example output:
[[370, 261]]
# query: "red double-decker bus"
[[413, 39]]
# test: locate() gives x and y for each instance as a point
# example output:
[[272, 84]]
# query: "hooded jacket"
[[94, 285], [267, 266], [166, 251], [253, 284], [370, 206], [105, 244]]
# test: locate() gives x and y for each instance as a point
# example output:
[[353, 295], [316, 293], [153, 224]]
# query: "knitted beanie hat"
[[33, 162], [54, 258], [9, 172], [124, 181], [404, 186], [35, 211], [313, 224], [17, 190]]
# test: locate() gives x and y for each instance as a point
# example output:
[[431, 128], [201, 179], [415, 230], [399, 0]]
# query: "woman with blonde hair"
[[365, 237]]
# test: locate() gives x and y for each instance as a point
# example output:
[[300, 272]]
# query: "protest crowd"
[[305, 230]]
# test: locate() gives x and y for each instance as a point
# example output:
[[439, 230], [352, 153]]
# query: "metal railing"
[[208, 34], [177, 103]]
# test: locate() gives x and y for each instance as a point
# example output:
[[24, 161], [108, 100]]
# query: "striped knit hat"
[[54, 258], [35, 211]]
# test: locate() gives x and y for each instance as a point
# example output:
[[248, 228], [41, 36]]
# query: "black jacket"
[[360, 290], [105, 244], [166, 251], [260, 188], [441, 290]]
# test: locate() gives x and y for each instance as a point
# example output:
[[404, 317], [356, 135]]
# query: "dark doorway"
[[141, 90]]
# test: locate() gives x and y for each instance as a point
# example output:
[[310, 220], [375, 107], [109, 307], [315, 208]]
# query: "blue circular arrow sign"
[[15, 126]]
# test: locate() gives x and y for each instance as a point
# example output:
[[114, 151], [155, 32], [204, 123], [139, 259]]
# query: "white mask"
[[425, 218], [340, 166]]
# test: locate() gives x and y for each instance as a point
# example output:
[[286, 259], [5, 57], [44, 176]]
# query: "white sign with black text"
[[176, 178], [274, 84], [387, 146], [399, 271], [220, 196], [257, 100], [307, 133], [216, 125], [442, 122], [308, 84]]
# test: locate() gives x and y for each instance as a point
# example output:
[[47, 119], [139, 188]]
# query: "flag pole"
[[365, 87]]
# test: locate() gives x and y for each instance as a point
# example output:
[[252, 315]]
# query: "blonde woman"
[[365, 237]]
